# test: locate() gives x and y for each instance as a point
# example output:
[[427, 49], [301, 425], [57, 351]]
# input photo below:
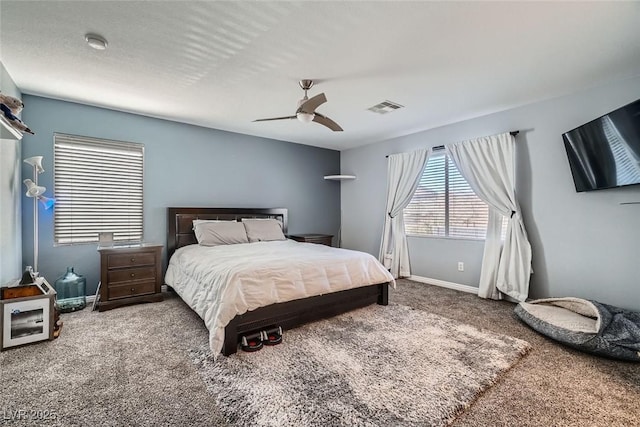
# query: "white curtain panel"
[[488, 165], [403, 176]]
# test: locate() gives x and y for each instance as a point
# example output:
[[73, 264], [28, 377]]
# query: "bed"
[[192, 274]]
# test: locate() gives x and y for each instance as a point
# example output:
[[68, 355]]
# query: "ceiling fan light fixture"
[[305, 117]]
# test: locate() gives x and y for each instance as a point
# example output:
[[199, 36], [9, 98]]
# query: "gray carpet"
[[376, 366], [131, 367], [553, 385], [123, 367]]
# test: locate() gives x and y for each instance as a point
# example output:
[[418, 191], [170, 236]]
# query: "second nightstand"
[[322, 239], [129, 275]]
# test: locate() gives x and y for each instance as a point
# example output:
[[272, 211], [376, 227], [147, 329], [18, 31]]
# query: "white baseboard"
[[445, 284]]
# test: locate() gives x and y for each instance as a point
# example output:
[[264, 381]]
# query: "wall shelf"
[[7, 131], [339, 177]]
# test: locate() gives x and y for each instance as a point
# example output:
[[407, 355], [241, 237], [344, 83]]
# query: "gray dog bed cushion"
[[587, 325]]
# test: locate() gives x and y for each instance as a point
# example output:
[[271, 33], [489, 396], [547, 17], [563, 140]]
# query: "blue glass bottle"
[[71, 289]]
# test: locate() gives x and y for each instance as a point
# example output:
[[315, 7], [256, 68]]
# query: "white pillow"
[[263, 230], [216, 233], [200, 221]]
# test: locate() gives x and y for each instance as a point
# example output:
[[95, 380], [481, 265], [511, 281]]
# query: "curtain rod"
[[441, 147]]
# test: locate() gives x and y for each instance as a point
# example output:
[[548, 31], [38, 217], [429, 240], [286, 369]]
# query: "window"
[[444, 205], [98, 188]]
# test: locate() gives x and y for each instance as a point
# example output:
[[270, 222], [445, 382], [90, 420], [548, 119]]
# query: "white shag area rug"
[[376, 366]]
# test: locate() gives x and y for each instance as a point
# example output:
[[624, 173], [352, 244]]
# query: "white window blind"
[[444, 205], [98, 188]]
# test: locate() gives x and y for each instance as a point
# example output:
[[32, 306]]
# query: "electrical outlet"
[[460, 266]]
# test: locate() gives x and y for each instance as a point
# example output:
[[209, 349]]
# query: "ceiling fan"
[[306, 111]]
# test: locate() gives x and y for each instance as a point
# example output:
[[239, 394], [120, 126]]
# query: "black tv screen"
[[605, 152]]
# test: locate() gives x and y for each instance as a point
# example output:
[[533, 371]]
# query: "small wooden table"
[[130, 274], [321, 239], [27, 313]]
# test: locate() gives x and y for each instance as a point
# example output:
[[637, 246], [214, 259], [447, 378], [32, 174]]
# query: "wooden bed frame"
[[288, 314]]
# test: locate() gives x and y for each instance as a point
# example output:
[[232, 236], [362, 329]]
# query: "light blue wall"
[[584, 244], [185, 165]]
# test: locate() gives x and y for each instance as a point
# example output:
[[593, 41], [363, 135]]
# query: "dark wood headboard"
[[180, 221]]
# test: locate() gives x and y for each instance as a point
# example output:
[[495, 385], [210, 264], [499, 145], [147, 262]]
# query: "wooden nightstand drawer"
[[131, 289], [115, 277], [321, 239], [129, 275], [130, 260]]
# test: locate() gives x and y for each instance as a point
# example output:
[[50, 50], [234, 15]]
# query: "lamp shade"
[[47, 202], [36, 162], [33, 190]]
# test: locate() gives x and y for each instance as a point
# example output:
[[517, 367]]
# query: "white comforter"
[[220, 282]]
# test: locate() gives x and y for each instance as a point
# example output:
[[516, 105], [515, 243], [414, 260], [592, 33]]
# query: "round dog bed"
[[587, 325]]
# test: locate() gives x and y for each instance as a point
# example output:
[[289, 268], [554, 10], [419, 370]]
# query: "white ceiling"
[[224, 64]]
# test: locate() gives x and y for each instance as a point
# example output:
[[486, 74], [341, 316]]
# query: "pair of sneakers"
[[255, 341]]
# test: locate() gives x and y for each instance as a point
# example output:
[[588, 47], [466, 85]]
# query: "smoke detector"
[[95, 41]]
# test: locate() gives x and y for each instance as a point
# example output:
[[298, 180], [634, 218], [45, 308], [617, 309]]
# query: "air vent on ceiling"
[[385, 107]]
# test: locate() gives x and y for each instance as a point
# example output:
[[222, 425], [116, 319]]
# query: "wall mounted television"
[[605, 153]]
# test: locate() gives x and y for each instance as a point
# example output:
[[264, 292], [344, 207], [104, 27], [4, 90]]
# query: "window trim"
[[471, 239]]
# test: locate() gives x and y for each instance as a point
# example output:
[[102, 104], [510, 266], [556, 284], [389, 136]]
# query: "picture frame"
[[105, 239], [26, 320]]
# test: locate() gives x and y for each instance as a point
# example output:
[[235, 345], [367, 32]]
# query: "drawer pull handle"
[[133, 274], [133, 260], [133, 290]]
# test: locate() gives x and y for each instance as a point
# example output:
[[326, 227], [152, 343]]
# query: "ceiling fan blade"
[[275, 118], [310, 105], [326, 121]]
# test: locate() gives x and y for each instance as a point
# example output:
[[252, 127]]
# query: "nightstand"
[[321, 239], [129, 275]]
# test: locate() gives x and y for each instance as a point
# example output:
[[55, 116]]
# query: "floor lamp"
[[36, 192]]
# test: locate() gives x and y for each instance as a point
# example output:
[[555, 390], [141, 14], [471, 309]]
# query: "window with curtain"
[[98, 188], [444, 205]]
